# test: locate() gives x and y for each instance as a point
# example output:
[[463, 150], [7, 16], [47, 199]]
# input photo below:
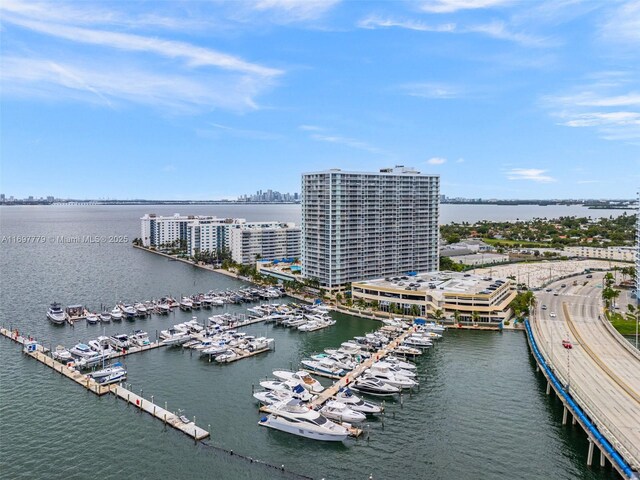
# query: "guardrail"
[[596, 416], [618, 336]]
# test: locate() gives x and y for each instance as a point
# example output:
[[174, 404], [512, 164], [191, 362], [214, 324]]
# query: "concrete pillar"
[[603, 459], [548, 387], [590, 453], [564, 415]]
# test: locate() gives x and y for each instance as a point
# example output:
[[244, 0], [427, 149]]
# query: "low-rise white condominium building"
[[197, 233], [625, 254], [251, 242], [361, 225]]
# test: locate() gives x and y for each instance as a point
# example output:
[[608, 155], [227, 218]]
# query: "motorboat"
[[339, 360], [215, 350], [62, 354], [346, 395], [116, 314], [259, 343], [175, 338], [139, 338], [141, 310], [82, 350], [105, 317], [101, 345], [342, 412], [92, 318], [393, 360], [391, 378], [269, 397], [128, 311], [302, 377], [297, 419], [434, 327], [119, 341], [394, 368], [196, 303], [163, 308], [295, 322], [325, 366], [417, 342], [291, 388], [227, 356], [56, 314], [186, 303], [111, 374], [407, 351], [373, 386]]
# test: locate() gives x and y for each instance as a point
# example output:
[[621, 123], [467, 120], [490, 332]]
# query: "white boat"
[[392, 359], [82, 350], [139, 338], [56, 314], [128, 311], [215, 350], [389, 377], [227, 356], [105, 317], [345, 395], [394, 368], [297, 419], [163, 308], [434, 327], [325, 366], [417, 342], [302, 377], [116, 314], [101, 345], [62, 354], [294, 322], [175, 337], [111, 374], [406, 351], [339, 360], [141, 310], [259, 343], [374, 386], [119, 341], [186, 303], [269, 397], [342, 412], [291, 388], [92, 318]]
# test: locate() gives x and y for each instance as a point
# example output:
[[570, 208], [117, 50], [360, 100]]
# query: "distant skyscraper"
[[361, 225]]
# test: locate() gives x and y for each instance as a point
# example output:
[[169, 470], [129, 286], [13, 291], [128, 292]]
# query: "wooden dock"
[[359, 370], [138, 349], [41, 355], [169, 418]]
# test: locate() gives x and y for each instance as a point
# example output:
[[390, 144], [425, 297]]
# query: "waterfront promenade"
[[601, 372]]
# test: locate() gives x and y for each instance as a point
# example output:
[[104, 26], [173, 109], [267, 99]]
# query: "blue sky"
[[213, 99]]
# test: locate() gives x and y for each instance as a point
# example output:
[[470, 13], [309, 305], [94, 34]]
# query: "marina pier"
[[40, 353]]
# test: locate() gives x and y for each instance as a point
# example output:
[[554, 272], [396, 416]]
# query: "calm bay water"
[[481, 411]]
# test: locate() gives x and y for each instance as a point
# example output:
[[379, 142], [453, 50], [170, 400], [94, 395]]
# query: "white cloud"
[[436, 161], [349, 142], [311, 128], [109, 85], [601, 105], [373, 21], [194, 55], [532, 174], [460, 160], [450, 6], [432, 90], [623, 25], [497, 30], [295, 10]]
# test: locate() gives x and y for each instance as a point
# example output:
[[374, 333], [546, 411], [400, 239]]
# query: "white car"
[[552, 315]]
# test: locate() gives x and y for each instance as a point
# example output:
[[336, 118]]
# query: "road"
[[601, 374]]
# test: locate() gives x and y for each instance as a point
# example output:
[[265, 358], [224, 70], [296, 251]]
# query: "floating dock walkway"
[[40, 354], [359, 370]]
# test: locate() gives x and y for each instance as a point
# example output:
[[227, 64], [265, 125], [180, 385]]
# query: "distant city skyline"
[[210, 100]]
